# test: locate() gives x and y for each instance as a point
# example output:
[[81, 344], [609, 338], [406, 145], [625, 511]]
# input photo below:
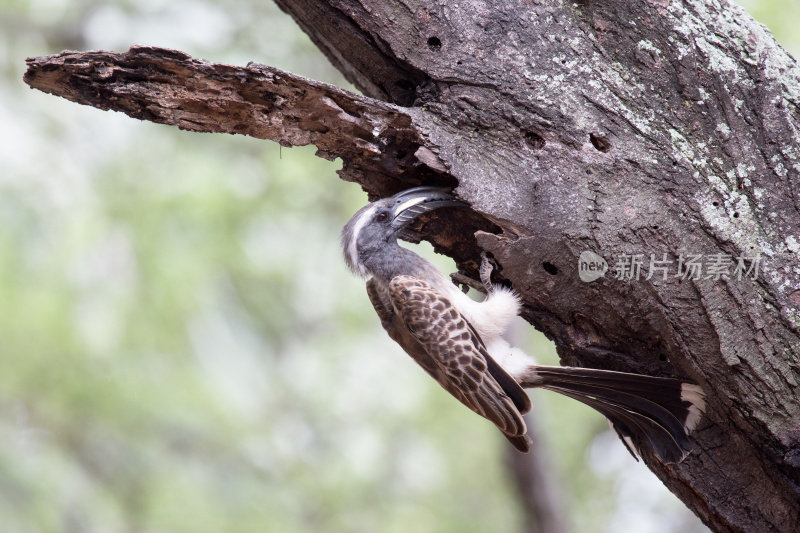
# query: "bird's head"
[[376, 226]]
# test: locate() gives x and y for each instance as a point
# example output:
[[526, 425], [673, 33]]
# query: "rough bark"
[[624, 128]]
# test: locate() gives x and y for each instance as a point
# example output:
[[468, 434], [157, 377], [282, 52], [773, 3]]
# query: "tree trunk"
[[539, 493], [647, 132]]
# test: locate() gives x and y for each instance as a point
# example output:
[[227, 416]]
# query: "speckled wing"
[[449, 348], [379, 296]]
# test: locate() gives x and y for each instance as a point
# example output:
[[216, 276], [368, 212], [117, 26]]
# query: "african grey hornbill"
[[459, 341]]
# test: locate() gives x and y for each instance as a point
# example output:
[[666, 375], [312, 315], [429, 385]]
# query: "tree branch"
[[170, 87]]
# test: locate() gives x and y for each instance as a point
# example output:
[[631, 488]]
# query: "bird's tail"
[[644, 410]]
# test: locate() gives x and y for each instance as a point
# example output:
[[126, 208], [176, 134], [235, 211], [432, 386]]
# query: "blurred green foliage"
[[182, 347]]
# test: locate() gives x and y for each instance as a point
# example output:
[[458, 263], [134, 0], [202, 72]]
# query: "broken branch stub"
[[376, 140]]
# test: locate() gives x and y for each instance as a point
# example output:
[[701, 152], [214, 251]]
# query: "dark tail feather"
[[644, 410], [669, 443]]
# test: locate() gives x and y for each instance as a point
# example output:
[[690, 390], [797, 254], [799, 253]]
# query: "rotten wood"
[[170, 87], [660, 129]]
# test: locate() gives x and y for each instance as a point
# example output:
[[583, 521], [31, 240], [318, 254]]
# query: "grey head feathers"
[[350, 234], [369, 239]]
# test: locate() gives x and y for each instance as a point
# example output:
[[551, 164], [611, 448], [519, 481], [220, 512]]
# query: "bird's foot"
[[485, 270]]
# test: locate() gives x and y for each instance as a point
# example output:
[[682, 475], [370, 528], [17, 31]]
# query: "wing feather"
[[377, 295], [455, 356]]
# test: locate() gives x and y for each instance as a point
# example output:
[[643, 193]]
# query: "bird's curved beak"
[[411, 203]]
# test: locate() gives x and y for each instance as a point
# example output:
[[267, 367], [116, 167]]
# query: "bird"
[[459, 341]]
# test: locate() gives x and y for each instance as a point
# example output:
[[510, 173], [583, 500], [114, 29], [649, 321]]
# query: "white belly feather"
[[491, 319]]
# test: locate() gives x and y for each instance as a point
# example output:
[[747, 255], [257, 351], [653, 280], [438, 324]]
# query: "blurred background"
[[183, 349]]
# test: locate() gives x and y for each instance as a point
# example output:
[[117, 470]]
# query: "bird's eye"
[[381, 217]]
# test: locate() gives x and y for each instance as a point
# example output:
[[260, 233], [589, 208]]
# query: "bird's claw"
[[485, 270]]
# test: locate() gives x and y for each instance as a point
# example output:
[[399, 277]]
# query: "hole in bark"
[[600, 142], [715, 204], [534, 140], [550, 268], [434, 43], [404, 92], [736, 215], [662, 357], [405, 85]]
